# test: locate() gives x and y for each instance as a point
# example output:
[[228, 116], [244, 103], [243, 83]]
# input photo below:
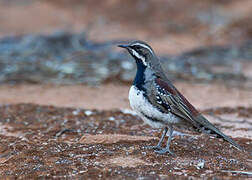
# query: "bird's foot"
[[165, 150], [157, 147]]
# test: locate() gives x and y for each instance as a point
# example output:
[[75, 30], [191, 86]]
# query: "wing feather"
[[178, 106]]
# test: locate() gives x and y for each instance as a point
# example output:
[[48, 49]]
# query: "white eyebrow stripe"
[[139, 56], [143, 45]]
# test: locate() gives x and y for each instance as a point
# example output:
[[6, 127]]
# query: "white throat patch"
[[139, 56]]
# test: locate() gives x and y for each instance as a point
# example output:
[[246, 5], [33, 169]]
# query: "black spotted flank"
[[162, 103]]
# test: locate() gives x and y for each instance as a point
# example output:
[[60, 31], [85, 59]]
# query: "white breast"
[[139, 104]]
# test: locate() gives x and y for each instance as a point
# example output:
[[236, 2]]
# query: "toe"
[[153, 147], [164, 150]]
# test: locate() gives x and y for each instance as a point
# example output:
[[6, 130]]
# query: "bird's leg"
[[167, 148], [158, 146]]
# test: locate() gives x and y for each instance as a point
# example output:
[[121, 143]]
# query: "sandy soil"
[[49, 142], [101, 141], [112, 96], [115, 96]]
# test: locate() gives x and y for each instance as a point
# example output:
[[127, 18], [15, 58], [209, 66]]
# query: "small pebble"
[[88, 113]]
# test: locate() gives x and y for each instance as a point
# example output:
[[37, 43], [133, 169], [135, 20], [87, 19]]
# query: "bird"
[[159, 103]]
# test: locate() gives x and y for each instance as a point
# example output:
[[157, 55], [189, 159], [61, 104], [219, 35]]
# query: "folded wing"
[[177, 104]]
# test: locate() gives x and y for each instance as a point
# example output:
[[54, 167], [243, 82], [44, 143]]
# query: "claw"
[[165, 150]]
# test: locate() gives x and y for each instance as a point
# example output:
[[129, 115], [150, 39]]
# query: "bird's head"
[[140, 51]]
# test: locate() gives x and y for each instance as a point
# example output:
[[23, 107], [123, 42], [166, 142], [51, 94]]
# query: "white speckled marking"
[[139, 104]]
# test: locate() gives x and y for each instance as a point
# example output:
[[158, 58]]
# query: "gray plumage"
[[159, 103]]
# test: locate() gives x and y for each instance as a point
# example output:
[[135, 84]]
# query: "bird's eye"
[[137, 47]]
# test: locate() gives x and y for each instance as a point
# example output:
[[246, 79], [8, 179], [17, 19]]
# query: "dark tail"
[[209, 128]]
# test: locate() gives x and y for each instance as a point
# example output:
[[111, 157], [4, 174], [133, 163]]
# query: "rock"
[[67, 58]]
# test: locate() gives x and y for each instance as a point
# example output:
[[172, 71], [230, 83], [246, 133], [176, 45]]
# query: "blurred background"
[[64, 53]]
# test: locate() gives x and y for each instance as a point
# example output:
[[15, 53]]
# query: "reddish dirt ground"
[[82, 132], [115, 96], [49, 142]]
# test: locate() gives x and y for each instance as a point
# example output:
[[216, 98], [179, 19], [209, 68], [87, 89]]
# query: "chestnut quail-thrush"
[[159, 103]]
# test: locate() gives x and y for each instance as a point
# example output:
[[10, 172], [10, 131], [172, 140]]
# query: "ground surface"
[[78, 131], [45, 141], [115, 96]]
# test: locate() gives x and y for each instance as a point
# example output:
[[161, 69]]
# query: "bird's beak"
[[123, 46]]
